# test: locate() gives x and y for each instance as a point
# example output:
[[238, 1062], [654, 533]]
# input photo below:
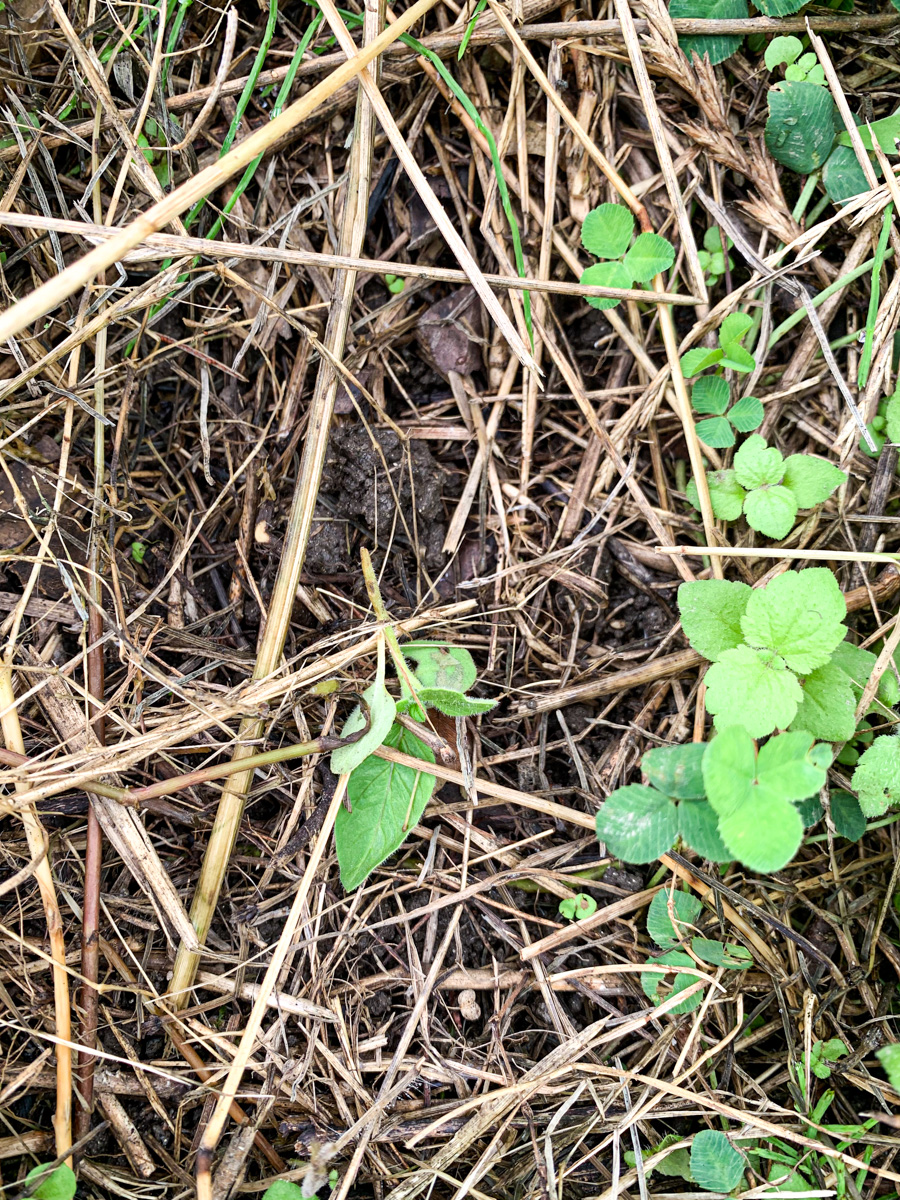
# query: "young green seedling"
[[607, 232], [710, 396], [386, 799], [58, 1184], [729, 353], [788, 51], [876, 779], [713, 260], [576, 908], [768, 488]]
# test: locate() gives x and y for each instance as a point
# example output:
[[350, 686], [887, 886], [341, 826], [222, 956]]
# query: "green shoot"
[[607, 232]]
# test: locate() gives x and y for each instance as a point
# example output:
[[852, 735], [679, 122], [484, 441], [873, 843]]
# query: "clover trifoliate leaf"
[[386, 801], [715, 1164], [606, 274], [734, 328], [650, 255], [757, 464], [637, 823], [736, 358], [828, 707], [676, 770], [799, 615], [382, 711], [710, 395], [699, 826], [725, 493], [654, 982], [752, 688], [729, 770], [722, 954], [715, 432], [747, 414], [847, 817], [785, 767], [782, 50], [454, 704], [811, 479], [686, 908], [695, 361], [607, 230], [440, 665], [876, 779], [764, 835], [771, 510], [711, 612]]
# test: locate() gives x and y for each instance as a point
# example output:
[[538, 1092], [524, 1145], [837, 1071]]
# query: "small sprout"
[[394, 284], [59, 1184], [469, 1008], [138, 550], [576, 908], [607, 232], [729, 353], [823, 1054]]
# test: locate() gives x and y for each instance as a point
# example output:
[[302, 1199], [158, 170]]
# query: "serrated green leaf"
[[847, 817], [786, 766], [811, 479], [856, 663], [676, 770], [711, 612], [734, 328], [799, 615], [747, 414], [60, 1184], [695, 361], [753, 689], [607, 231], [886, 131], [771, 510], [842, 176], [637, 823], [889, 1057], [810, 811], [722, 954], [783, 50], [764, 836], [440, 665], [716, 432], [800, 131], [876, 779], [757, 464], [283, 1189], [454, 704], [710, 395], [699, 826], [686, 907], [649, 256], [654, 982], [717, 47], [828, 707], [715, 1164], [386, 801], [729, 770], [382, 711], [606, 274], [725, 493]]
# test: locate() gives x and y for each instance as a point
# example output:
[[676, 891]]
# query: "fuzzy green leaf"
[[722, 954], [649, 256], [757, 465], [764, 837], [653, 981], [711, 612], [800, 130], [782, 50], [718, 47], [789, 766], [828, 707], [710, 395], [799, 615], [382, 711], [695, 361], [441, 666], [753, 689], [607, 231], [771, 510], [715, 1164], [386, 801], [725, 493], [60, 1184], [454, 704], [847, 817], [606, 274], [699, 826], [716, 432], [856, 663], [687, 908], [747, 414], [734, 328], [729, 770], [811, 479], [876, 779], [637, 823], [676, 770]]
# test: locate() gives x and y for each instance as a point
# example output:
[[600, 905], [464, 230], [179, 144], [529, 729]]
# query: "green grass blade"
[[470, 28], [865, 361]]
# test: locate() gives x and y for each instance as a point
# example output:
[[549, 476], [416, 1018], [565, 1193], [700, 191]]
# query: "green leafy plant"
[[607, 232], [889, 1057], [394, 284], [714, 258], [576, 908], [385, 799], [59, 1184], [823, 1055], [876, 779], [677, 1164], [710, 396], [729, 352], [788, 51], [138, 551], [779, 660], [766, 487], [716, 1165], [671, 934]]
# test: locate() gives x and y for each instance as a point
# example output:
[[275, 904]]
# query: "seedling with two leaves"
[[578, 907], [607, 232], [765, 487], [385, 799], [787, 51]]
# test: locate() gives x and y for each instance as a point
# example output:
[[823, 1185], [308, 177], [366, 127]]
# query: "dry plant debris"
[[533, 314]]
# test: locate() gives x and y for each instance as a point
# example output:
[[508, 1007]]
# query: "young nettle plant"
[[778, 653], [724, 799], [763, 485], [385, 799], [607, 232], [876, 779], [671, 921]]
